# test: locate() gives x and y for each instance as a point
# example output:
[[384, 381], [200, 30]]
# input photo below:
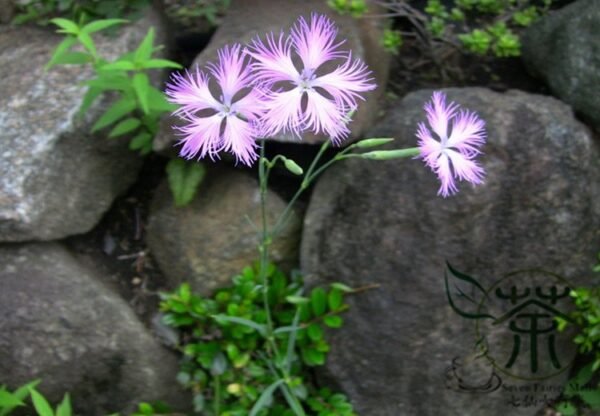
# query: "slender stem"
[[265, 239], [305, 183]]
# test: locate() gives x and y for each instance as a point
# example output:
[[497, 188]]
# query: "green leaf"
[[64, 408], [42, 407], [333, 321], [9, 400], [113, 82], [22, 392], [315, 332], [144, 51], [119, 66], [72, 58], [266, 398], [335, 299], [67, 25], [124, 127], [158, 102], [142, 141], [292, 401], [313, 357], [566, 409], [87, 42], [261, 328], [141, 85], [99, 25], [184, 179], [160, 63], [391, 154], [318, 300], [297, 300], [340, 286], [60, 50], [115, 112]]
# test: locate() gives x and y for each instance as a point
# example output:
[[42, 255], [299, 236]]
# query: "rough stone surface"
[[60, 324], [563, 49], [247, 19], [211, 240], [56, 178], [382, 223]]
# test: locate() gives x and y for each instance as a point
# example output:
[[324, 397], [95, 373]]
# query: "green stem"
[[265, 239]]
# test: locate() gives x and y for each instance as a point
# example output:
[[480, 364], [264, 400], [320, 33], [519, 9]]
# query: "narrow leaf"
[[87, 42], [266, 398], [64, 408], [60, 50], [124, 127], [99, 25], [144, 51], [184, 179], [318, 300], [9, 400], [141, 86], [118, 110], [67, 25], [262, 329], [42, 407], [118, 65], [88, 99], [292, 401], [367, 143], [160, 63]]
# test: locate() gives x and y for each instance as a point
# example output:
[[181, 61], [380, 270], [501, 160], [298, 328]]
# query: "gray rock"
[[382, 223], [212, 239], [56, 178], [563, 49], [247, 19], [60, 324]]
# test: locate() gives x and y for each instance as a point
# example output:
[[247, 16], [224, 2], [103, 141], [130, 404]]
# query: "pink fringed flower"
[[451, 149], [304, 99], [224, 124]]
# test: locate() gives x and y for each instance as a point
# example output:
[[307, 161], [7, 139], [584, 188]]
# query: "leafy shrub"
[[482, 27], [10, 401], [227, 349], [41, 11]]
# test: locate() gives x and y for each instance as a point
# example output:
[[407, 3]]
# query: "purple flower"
[[227, 123], [307, 99], [451, 149]]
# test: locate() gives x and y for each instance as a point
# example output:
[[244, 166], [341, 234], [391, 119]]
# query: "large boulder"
[[247, 19], [56, 178], [60, 324], [563, 49], [214, 237], [404, 350]]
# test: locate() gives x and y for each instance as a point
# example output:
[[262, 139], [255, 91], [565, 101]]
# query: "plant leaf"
[[98, 25], [87, 42], [42, 407], [318, 300], [160, 63], [262, 329], [144, 50], [124, 127], [184, 179], [60, 50], [118, 110], [64, 408], [141, 86], [266, 398], [67, 25]]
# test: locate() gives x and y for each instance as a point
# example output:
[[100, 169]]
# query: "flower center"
[[306, 78]]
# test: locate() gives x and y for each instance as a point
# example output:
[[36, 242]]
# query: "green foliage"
[[482, 27], [189, 12], [586, 318], [139, 105], [392, 40], [41, 11], [184, 179], [235, 367], [9, 401]]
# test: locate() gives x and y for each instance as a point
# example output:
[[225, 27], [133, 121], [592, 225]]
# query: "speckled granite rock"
[[247, 19], [60, 324], [403, 350], [564, 50], [211, 240], [56, 179]]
